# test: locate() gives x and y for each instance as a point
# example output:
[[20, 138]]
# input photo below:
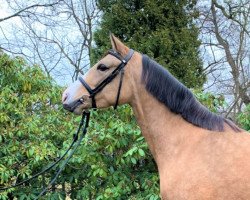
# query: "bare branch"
[[18, 13], [229, 15]]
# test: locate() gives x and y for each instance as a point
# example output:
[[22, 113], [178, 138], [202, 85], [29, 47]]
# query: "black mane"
[[178, 98]]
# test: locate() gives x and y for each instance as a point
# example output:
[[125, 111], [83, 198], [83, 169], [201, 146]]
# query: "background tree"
[[162, 29], [225, 39], [24, 10], [33, 127], [113, 162], [56, 36]]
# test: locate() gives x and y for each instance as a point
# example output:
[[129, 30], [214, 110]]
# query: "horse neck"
[[165, 132]]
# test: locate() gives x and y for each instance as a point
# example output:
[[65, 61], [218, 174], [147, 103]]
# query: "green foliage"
[[33, 128], [113, 162], [244, 118], [162, 29], [213, 102]]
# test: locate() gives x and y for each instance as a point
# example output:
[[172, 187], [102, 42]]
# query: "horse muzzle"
[[73, 105]]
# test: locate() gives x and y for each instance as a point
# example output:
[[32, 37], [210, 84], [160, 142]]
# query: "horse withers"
[[199, 154]]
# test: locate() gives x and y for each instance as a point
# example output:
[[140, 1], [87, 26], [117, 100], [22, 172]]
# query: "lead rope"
[[85, 117]]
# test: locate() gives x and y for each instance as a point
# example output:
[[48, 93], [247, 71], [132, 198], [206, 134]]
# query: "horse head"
[[105, 84]]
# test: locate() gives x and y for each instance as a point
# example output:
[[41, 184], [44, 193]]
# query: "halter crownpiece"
[[120, 68]]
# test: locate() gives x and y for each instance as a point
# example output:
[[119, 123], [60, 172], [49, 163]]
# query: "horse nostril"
[[65, 97]]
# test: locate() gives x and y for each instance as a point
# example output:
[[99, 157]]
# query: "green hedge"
[[244, 118], [112, 163]]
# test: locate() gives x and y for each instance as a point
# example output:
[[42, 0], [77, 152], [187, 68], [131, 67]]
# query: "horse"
[[199, 154]]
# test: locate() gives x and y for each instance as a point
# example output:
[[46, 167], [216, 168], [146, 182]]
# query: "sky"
[[11, 29], [64, 79]]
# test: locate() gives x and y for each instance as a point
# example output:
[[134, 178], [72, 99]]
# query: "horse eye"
[[102, 67]]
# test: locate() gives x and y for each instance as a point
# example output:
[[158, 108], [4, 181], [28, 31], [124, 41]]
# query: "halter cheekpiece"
[[119, 69]]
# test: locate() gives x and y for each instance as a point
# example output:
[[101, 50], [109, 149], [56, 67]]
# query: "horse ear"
[[118, 46]]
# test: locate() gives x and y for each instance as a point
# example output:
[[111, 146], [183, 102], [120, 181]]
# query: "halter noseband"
[[120, 68]]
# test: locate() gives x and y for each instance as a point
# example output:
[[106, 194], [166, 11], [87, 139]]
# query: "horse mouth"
[[71, 107], [76, 108]]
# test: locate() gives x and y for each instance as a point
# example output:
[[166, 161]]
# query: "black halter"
[[107, 80]]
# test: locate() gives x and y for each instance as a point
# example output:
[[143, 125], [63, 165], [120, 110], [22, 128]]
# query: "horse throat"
[[164, 131]]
